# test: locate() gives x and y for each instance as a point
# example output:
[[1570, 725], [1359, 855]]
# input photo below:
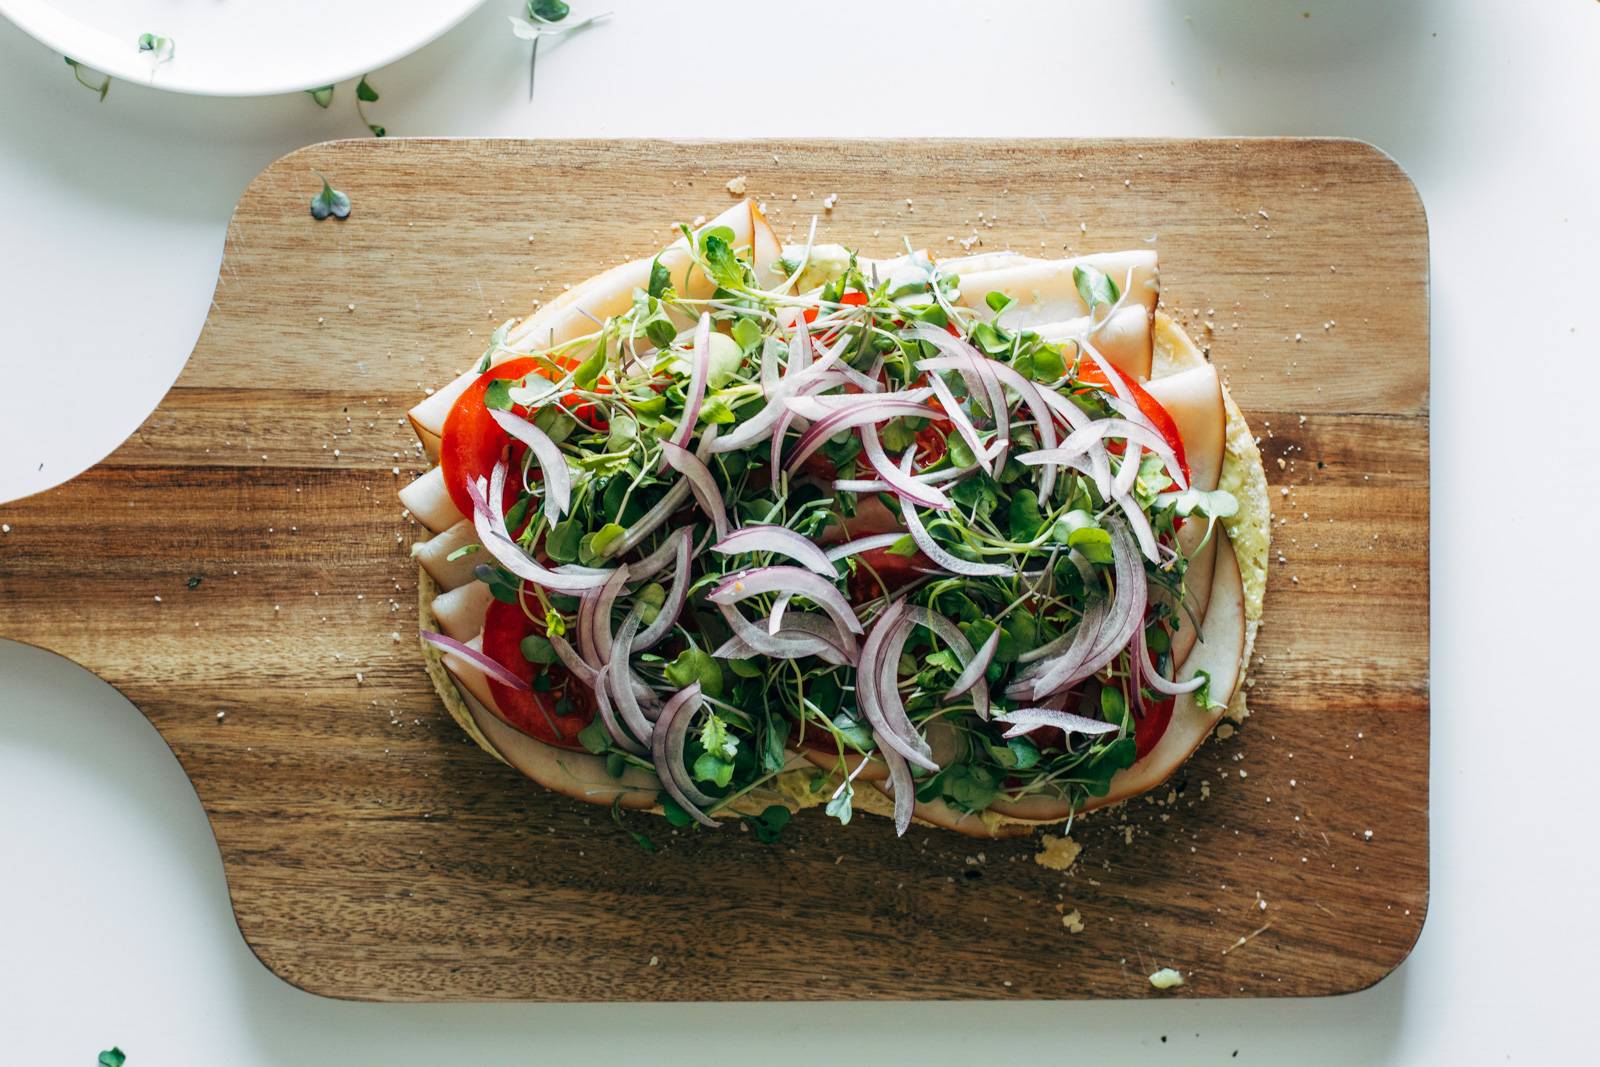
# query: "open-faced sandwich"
[[976, 542]]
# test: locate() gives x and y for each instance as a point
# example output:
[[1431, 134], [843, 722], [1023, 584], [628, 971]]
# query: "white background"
[[114, 921]]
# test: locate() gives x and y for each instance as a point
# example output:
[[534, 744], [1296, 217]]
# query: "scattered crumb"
[[830, 200], [736, 186], [1073, 921], [1166, 978], [1056, 853]]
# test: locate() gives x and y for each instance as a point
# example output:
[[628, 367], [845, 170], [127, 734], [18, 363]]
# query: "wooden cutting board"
[[238, 568]]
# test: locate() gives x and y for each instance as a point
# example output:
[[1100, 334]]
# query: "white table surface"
[[114, 921]]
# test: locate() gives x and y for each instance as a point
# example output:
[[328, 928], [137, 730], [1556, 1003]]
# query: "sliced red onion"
[[1153, 678], [779, 579], [952, 636], [1118, 385], [1044, 426], [1141, 528], [900, 784], [779, 606], [799, 347], [586, 648], [973, 673], [759, 425], [780, 540], [820, 407], [875, 676], [497, 541], [975, 368], [1065, 653], [958, 417], [862, 544], [873, 485], [699, 371], [488, 666], [901, 483], [672, 606], [1083, 441], [664, 556], [931, 549], [769, 365], [701, 483], [1125, 617], [575, 663], [795, 641], [876, 409], [666, 752], [557, 476], [608, 716], [600, 616], [621, 682], [1127, 473], [1026, 720]]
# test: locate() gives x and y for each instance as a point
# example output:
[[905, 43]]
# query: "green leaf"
[[998, 301], [548, 10], [366, 92], [968, 786], [898, 435], [639, 839], [661, 333], [976, 494], [536, 648], [1048, 363], [323, 96], [769, 824], [1202, 696], [1023, 753], [497, 397], [960, 454], [162, 47], [905, 546], [1078, 529], [592, 547], [856, 733], [773, 756], [113, 1057], [660, 278], [1025, 519], [194, 581], [744, 668], [377, 131], [615, 764], [709, 768], [588, 372], [594, 737], [624, 432], [675, 815], [715, 411], [694, 665], [329, 202], [561, 542], [991, 339], [840, 806], [747, 334], [1094, 286], [933, 315], [722, 264], [1217, 504], [1113, 707], [502, 586]]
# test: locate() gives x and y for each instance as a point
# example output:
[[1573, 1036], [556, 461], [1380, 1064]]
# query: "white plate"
[[237, 47]]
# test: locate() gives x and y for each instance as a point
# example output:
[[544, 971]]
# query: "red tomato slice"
[[533, 712], [1149, 405], [472, 441], [894, 571], [1148, 728]]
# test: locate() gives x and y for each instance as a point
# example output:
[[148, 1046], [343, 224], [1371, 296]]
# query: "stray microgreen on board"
[[330, 202]]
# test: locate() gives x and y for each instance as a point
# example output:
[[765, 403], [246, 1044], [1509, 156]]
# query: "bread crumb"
[[1073, 922], [736, 186], [1056, 853], [1166, 978]]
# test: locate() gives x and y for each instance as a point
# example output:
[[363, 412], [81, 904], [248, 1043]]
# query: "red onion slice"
[[699, 371], [701, 483], [672, 607], [779, 606], [1026, 720], [1125, 617], [1078, 646], [759, 425], [622, 683], [901, 483], [572, 661], [497, 541], [1128, 472], [780, 540], [958, 418], [657, 561], [900, 784], [862, 544], [557, 477], [931, 549], [876, 409], [973, 674], [795, 641], [1140, 525], [650, 520], [1153, 678], [873, 485], [488, 666], [666, 752], [600, 616], [608, 716], [875, 677], [779, 579]]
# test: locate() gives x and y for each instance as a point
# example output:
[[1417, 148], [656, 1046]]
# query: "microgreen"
[[1094, 286], [112, 1057], [322, 96], [330, 202], [769, 824], [366, 94], [839, 805], [99, 90], [161, 48]]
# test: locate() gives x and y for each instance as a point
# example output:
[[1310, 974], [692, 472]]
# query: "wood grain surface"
[[372, 852]]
